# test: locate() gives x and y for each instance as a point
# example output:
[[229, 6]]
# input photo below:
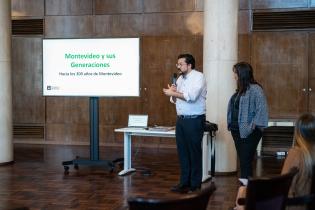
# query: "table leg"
[[127, 155], [205, 158]]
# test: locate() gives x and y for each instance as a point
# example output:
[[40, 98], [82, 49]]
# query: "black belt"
[[189, 116]]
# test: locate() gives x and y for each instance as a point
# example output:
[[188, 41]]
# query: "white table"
[[207, 149]]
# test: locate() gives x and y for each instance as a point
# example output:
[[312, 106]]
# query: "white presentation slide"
[[91, 67]]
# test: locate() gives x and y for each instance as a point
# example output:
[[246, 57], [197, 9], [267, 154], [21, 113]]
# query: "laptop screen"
[[136, 120]]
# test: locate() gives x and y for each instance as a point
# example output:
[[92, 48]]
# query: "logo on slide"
[[49, 87]]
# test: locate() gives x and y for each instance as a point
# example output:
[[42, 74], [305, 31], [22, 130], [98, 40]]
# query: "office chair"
[[308, 200], [197, 201], [268, 193]]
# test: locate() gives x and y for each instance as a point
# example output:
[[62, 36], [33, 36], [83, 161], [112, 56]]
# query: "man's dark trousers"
[[189, 134]]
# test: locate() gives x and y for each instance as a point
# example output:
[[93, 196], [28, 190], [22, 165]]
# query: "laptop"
[[138, 121]]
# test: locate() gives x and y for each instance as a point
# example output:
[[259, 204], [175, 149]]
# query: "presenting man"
[[189, 95]]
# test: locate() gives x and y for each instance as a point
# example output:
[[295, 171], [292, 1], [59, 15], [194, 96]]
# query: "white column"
[[219, 56], [6, 144]]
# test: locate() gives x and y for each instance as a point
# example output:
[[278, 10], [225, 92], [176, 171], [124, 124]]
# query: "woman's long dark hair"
[[305, 138], [245, 76]]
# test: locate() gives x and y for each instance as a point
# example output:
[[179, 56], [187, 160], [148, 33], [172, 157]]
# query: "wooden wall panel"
[[176, 24], [68, 118], [280, 63], [244, 47], [244, 4], [113, 113], [244, 26], [57, 133], [311, 74], [103, 7], [67, 133], [271, 4], [109, 137], [79, 133], [169, 6], [244, 32], [69, 7], [69, 26], [28, 103], [127, 25], [58, 110], [24, 8]]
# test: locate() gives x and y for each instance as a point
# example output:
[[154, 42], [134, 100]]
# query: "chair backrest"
[[311, 205], [198, 201], [269, 193]]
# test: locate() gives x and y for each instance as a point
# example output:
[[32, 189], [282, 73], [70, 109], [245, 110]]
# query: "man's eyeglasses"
[[178, 65]]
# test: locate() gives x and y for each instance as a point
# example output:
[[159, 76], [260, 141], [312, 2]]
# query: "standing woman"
[[247, 116]]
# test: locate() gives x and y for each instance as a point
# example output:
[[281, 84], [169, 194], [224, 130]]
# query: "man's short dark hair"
[[189, 59]]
